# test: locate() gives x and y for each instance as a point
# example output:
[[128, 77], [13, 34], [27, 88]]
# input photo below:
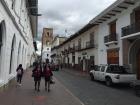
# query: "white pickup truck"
[[112, 74]]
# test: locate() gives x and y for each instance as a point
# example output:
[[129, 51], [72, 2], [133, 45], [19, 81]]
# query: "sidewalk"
[[25, 95]]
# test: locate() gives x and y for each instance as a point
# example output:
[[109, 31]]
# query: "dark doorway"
[[138, 65], [1, 34], [12, 55], [113, 56]]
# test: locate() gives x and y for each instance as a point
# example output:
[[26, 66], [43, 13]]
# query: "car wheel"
[[91, 77], [108, 81]]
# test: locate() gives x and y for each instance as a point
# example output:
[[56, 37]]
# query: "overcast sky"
[[70, 15]]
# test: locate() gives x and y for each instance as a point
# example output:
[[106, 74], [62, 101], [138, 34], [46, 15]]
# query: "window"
[[102, 68], [92, 36], [48, 33], [112, 27], [79, 43], [108, 70], [13, 3], [116, 69], [97, 68]]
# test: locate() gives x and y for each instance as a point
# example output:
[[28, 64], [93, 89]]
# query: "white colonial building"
[[119, 33], [80, 50], [54, 53], [18, 26]]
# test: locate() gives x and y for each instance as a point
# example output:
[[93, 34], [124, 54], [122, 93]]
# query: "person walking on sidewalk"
[[36, 73], [19, 74], [47, 73]]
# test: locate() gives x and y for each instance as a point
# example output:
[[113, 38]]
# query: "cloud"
[[69, 14]]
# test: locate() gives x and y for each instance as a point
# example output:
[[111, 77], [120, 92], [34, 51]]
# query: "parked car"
[[112, 74], [55, 67]]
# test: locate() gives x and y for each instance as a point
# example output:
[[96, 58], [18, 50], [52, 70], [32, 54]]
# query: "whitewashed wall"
[[16, 23]]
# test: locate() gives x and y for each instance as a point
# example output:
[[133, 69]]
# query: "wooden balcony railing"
[[90, 44], [131, 29], [110, 38]]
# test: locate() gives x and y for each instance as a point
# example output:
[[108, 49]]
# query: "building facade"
[[54, 53], [116, 39], [16, 37], [80, 50], [119, 34]]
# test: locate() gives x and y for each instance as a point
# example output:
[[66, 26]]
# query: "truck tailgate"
[[127, 77]]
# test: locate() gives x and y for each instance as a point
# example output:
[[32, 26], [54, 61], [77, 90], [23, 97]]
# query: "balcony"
[[78, 48], [131, 30], [71, 50], [90, 44], [111, 39], [66, 51], [63, 52]]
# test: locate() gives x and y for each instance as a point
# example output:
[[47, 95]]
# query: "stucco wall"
[[20, 30]]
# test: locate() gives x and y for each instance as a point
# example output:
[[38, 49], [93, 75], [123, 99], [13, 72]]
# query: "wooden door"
[[112, 31], [113, 56], [137, 16], [113, 27]]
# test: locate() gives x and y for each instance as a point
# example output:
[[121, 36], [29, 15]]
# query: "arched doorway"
[[22, 55], [2, 44], [12, 54], [25, 59], [134, 57], [19, 50], [138, 65]]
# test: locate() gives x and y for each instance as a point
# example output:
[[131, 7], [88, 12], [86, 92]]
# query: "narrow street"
[[96, 93], [70, 88], [71, 38]]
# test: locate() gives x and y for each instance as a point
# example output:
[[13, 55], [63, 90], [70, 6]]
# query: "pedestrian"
[[36, 73], [19, 74], [47, 73]]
